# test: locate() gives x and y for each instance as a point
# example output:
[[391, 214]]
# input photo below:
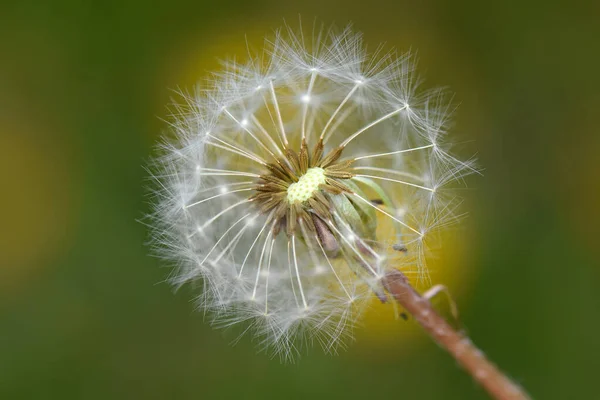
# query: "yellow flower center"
[[308, 183]]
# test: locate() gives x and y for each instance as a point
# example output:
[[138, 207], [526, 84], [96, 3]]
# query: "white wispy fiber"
[[295, 180]]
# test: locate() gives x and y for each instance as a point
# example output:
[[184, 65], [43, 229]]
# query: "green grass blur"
[[83, 312]]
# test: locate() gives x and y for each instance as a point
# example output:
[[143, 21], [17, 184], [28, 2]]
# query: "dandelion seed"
[[295, 210]]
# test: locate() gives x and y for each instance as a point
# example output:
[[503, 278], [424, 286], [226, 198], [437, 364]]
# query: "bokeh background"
[[84, 312]]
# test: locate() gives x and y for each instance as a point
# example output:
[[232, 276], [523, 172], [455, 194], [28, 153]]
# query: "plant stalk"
[[483, 371]]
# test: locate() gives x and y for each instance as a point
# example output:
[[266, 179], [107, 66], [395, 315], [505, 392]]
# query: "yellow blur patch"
[[383, 327], [35, 206]]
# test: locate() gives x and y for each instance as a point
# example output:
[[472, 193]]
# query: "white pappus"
[[295, 180]]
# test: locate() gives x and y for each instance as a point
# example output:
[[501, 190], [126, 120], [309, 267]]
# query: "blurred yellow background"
[[83, 310]]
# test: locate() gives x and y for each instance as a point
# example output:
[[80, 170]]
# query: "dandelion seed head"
[[290, 212]]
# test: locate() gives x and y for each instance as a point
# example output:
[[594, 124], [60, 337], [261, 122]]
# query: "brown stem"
[[498, 385]]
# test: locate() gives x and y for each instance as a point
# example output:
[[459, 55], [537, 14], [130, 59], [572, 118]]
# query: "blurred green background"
[[83, 312]]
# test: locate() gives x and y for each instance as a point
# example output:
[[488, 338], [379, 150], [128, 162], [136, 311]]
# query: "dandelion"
[[304, 182]]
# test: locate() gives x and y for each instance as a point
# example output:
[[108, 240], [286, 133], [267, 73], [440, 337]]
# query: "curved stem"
[[494, 381]]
